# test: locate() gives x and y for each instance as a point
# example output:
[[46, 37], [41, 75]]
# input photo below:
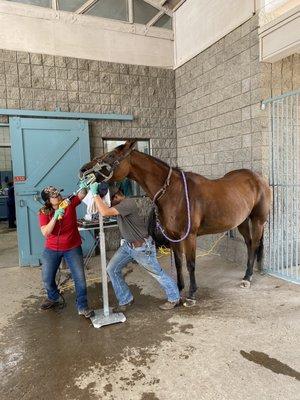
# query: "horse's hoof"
[[245, 284], [189, 303]]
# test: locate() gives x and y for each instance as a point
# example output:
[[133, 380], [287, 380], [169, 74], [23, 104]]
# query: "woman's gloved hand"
[[83, 185], [94, 188], [59, 213]]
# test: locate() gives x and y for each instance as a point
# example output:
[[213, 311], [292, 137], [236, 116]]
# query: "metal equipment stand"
[[105, 316]]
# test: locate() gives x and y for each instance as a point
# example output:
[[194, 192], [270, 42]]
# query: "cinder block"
[[11, 68], [71, 62], [25, 93], [61, 84], [12, 103], [37, 82], [22, 57], [50, 83], [60, 61], [8, 55], [72, 86], [47, 60], [37, 70], [35, 59]]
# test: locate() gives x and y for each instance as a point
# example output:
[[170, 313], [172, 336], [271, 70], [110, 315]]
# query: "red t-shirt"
[[65, 235]]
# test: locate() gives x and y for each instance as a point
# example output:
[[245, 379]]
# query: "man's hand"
[[103, 209], [59, 213]]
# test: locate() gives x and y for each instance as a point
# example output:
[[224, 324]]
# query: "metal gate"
[[284, 164]]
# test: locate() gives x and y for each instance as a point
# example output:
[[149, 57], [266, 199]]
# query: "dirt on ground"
[[234, 344]]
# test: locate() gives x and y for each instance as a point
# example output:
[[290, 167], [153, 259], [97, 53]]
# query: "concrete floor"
[[8, 246], [234, 344]]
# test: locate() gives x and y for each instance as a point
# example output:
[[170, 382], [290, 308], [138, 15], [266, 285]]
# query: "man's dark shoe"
[[47, 304], [123, 307], [87, 313], [169, 305]]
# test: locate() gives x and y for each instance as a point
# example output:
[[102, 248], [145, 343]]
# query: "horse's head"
[[112, 166]]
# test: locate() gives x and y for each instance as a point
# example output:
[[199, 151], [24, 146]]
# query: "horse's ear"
[[130, 144]]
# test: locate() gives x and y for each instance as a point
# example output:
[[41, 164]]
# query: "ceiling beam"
[[85, 6], [155, 18], [130, 11], [178, 5], [157, 5], [54, 4]]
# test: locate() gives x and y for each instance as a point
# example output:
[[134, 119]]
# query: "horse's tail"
[[154, 231], [260, 249]]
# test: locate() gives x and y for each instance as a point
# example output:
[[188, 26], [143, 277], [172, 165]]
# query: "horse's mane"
[[120, 147], [164, 163]]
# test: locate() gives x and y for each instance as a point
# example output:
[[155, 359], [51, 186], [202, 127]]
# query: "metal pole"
[[292, 161], [277, 167], [273, 187], [270, 182], [283, 187], [103, 267], [297, 160], [286, 183], [105, 316]]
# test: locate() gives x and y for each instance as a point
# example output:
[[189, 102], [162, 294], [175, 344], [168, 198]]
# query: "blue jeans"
[[146, 257], [51, 260]]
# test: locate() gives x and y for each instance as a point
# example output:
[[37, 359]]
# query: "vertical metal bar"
[[273, 186], [270, 108], [291, 187], [277, 190], [281, 186], [278, 170], [284, 176], [297, 182], [287, 133], [130, 11], [103, 267]]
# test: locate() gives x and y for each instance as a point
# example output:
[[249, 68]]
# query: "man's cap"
[[113, 191]]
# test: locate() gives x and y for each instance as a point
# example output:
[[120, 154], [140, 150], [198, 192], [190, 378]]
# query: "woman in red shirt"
[[59, 226]]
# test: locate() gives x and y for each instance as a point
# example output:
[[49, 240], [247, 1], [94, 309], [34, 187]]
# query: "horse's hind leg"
[[257, 228], [244, 229], [178, 263], [190, 254]]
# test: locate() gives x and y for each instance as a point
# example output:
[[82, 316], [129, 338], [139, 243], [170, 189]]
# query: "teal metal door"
[[44, 152]]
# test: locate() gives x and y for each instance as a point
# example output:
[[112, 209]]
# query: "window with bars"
[[129, 188], [133, 11]]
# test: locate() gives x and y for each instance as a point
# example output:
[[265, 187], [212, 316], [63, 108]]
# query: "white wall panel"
[[200, 23]]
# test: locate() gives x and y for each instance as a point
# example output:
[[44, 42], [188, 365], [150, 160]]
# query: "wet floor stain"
[[270, 363], [149, 396], [43, 352]]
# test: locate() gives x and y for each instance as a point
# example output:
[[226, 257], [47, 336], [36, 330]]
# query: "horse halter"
[[93, 173]]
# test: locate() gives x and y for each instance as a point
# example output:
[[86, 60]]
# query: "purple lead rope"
[[188, 212]]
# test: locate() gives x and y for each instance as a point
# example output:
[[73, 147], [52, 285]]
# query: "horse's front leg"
[[177, 250], [190, 254]]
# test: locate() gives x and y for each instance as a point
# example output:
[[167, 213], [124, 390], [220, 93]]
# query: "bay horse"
[[241, 199]]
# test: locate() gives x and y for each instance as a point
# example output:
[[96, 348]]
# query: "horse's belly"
[[221, 223]]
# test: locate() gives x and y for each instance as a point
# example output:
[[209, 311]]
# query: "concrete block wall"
[[220, 123], [218, 96], [46, 82], [218, 116]]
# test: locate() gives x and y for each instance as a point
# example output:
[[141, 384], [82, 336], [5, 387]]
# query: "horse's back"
[[230, 199]]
